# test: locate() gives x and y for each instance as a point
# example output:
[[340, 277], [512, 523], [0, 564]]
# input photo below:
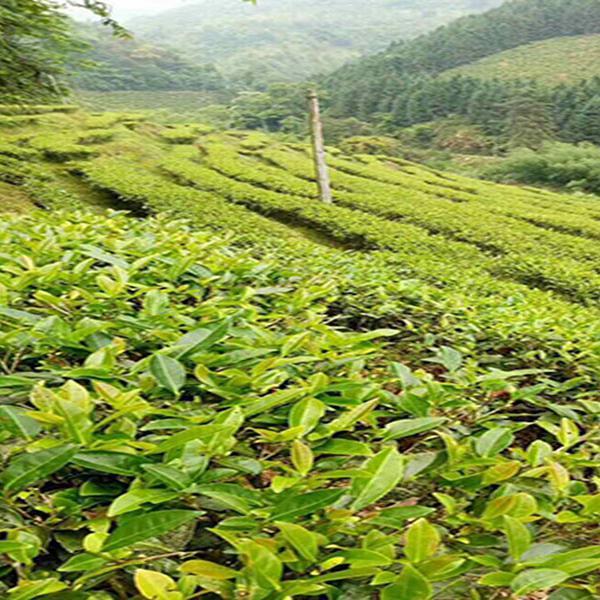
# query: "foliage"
[[201, 403], [411, 83], [573, 166], [370, 145], [127, 64], [187, 422], [165, 106], [293, 40], [466, 40], [559, 60], [453, 134], [36, 37]]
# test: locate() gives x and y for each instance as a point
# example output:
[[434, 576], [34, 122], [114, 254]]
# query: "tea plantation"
[[577, 56], [234, 391]]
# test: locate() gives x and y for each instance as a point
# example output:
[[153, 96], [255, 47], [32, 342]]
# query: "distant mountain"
[[374, 84], [291, 40], [133, 64], [552, 62]]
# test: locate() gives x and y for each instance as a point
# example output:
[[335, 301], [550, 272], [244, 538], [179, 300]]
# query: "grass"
[[238, 391], [560, 60]]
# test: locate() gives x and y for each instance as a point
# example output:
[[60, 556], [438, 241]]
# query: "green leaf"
[[422, 541], [361, 558], [7, 546], [494, 441], [27, 469], [303, 541], [169, 373], [305, 504], [411, 585], [19, 314], [385, 472], [136, 498], [519, 538], [17, 422], [343, 447], [397, 517], [306, 413], [82, 562], [535, 580], [26, 590], [449, 357], [348, 419], [115, 463], [171, 477], [156, 586], [231, 496], [408, 427], [143, 527], [262, 566], [201, 433], [497, 579], [302, 457], [576, 568], [201, 339], [207, 569]]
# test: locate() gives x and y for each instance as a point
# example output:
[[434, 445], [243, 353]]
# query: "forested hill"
[[114, 63], [464, 41], [291, 40]]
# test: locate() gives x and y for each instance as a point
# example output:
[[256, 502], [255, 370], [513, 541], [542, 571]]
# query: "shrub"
[[182, 421], [576, 167]]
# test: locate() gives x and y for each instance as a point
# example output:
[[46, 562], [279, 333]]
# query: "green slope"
[[555, 61], [290, 40], [111, 63], [368, 85], [201, 400], [483, 244]]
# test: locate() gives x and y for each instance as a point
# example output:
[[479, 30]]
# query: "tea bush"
[[510, 326], [181, 421], [259, 396]]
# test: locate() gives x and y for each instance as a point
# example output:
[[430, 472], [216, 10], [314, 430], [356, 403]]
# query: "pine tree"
[[585, 123], [528, 120]]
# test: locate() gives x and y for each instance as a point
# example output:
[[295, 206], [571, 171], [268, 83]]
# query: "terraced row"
[[510, 324], [521, 249], [552, 211]]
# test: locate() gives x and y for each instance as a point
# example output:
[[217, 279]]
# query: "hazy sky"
[[124, 9]]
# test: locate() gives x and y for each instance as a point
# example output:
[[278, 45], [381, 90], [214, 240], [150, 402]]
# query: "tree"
[[35, 38], [529, 122], [585, 125]]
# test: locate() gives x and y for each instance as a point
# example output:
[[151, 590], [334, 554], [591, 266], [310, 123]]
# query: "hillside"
[[291, 40], [237, 391], [367, 86], [552, 62], [111, 63]]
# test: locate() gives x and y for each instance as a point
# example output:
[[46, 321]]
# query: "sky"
[[125, 9]]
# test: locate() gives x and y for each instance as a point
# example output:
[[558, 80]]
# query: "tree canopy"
[[36, 37]]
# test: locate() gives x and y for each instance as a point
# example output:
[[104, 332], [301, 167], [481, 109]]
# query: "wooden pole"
[[320, 159]]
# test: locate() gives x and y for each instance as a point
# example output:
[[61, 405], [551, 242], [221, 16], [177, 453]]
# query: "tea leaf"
[[142, 527], [535, 580], [408, 427], [169, 373], [384, 471], [27, 469], [305, 504], [422, 541], [410, 585]]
